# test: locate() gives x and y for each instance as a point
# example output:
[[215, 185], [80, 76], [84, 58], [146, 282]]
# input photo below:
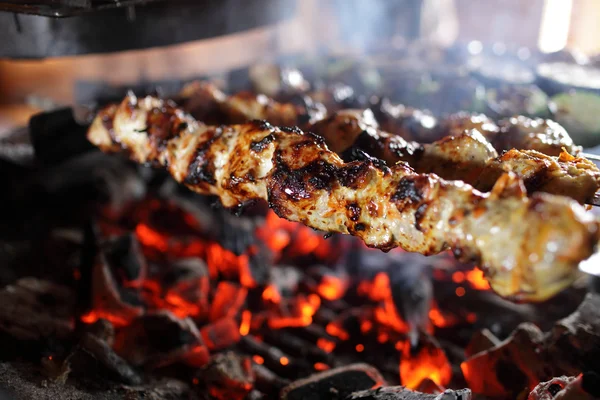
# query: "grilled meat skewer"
[[462, 155], [529, 247], [544, 136], [465, 156]]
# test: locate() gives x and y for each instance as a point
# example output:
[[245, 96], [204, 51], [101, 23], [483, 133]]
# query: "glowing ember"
[[476, 279], [228, 300], [429, 362], [95, 315], [326, 345], [383, 337], [441, 320], [271, 294], [245, 325], [335, 330], [151, 238], [303, 309], [321, 366], [258, 359], [331, 288], [360, 348], [458, 277], [284, 361]]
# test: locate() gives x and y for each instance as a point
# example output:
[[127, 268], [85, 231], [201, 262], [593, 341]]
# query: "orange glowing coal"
[[428, 362], [440, 319], [331, 288], [245, 324], [476, 279], [295, 239], [303, 309], [271, 294], [379, 290], [95, 315], [326, 345]]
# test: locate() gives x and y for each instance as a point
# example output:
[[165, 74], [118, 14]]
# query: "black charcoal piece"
[[402, 393], [333, 384]]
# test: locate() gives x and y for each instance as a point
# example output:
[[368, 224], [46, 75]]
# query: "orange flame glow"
[[245, 324], [331, 288], [319, 366], [429, 362], [476, 279], [95, 315], [326, 345], [271, 294]]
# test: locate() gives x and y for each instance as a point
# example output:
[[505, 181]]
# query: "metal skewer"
[[593, 157], [595, 201]]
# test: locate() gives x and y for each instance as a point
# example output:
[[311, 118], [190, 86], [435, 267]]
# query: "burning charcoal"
[[312, 333], [33, 309], [103, 330], [124, 256], [402, 393], [528, 356], [297, 347], [159, 339], [235, 233], [187, 283], [228, 376], [482, 340], [107, 299], [275, 359], [506, 369], [574, 343], [221, 334], [566, 388], [93, 359], [331, 285], [337, 383], [429, 386], [426, 360], [228, 300], [412, 293], [266, 380]]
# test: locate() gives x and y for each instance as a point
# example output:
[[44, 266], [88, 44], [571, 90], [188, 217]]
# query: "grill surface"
[[64, 8], [143, 24]]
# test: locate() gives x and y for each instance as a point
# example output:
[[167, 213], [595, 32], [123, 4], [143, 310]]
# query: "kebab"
[[528, 247], [519, 132], [464, 154]]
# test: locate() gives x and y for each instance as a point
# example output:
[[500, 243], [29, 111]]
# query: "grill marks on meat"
[[201, 98], [529, 247], [469, 157], [545, 136], [464, 152]]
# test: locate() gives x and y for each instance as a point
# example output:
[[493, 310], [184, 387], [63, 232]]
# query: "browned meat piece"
[[461, 155], [529, 247], [408, 123], [565, 175], [460, 122], [204, 99], [538, 134], [465, 156]]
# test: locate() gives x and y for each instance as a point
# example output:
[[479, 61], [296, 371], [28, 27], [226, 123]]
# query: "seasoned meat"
[[529, 247], [465, 156], [243, 106], [409, 123], [543, 135], [456, 124], [564, 175]]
